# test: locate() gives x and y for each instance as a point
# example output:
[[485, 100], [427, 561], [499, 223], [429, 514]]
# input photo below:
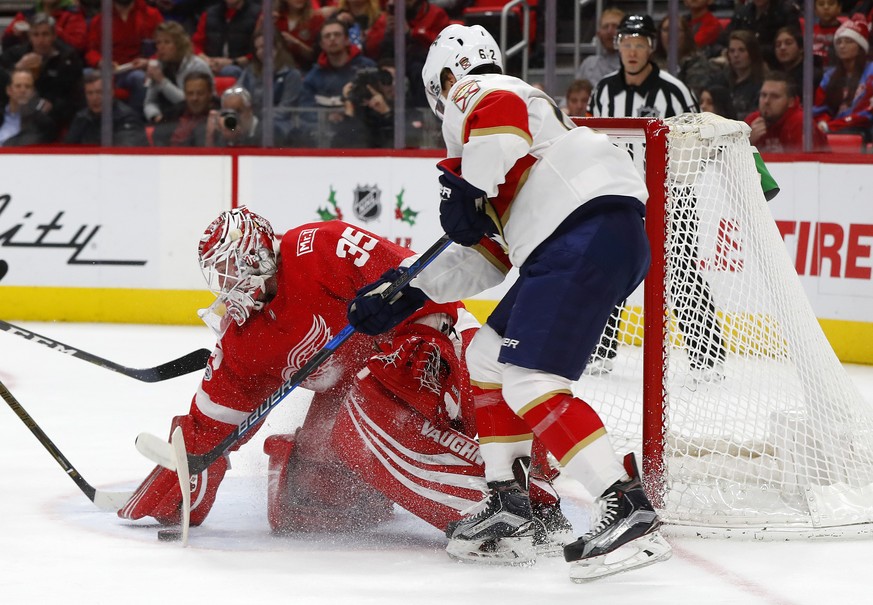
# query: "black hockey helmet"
[[637, 25]]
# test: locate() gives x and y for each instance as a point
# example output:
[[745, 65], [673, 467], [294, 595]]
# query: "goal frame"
[[653, 132]]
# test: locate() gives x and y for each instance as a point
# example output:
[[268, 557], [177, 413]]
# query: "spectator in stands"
[[224, 36], [827, 22], [337, 65], [777, 125], [607, 59], [188, 124], [55, 65], [844, 99], [367, 24], [695, 69], [368, 120], [174, 60], [789, 56], [236, 124], [424, 21], [133, 33], [298, 24], [287, 88], [717, 99], [577, 97], [23, 121], [128, 129], [705, 26], [70, 24], [745, 71], [764, 18]]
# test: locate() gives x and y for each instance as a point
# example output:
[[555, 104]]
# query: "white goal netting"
[[762, 431]]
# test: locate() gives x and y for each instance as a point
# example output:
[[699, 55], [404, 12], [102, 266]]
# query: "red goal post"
[[653, 132]]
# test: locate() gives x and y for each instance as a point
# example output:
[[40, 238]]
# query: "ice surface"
[[56, 547]]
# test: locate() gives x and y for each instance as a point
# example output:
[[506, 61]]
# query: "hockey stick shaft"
[[191, 362], [105, 500], [198, 463]]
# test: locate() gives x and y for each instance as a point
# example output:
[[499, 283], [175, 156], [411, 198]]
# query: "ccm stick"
[[192, 362], [165, 454], [108, 501]]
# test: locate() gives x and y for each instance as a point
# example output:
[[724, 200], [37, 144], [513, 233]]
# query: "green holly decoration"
[[325, 213], [406, 215]]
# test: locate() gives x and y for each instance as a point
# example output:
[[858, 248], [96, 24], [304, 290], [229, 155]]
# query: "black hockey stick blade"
[[191, 362], [160, 452], [108, 501]]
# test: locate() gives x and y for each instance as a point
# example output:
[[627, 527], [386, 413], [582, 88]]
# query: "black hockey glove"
[[462, 207], [370, 313]]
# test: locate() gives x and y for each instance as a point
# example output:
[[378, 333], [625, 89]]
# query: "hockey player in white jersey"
[[523, 187]]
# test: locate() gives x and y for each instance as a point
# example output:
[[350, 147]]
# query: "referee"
[[640, 89]]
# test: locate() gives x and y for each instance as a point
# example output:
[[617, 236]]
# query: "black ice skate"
[[502, 532], [626, 536], [552, 530]]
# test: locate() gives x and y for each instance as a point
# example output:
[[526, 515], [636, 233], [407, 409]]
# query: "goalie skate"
[[502, 533], [626, 536]]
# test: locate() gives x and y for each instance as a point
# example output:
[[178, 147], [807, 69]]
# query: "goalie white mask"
[[460, 49], [237, 257]]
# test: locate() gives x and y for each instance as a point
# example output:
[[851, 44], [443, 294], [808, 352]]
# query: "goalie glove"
[[422, 370], [371, 314], [463, 207]]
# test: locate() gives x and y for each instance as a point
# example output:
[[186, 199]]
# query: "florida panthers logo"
[[464, 93], [328, 373]]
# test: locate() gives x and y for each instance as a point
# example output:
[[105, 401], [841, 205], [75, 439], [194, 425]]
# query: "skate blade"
[[554, 544], [493, 551], [642, 552]]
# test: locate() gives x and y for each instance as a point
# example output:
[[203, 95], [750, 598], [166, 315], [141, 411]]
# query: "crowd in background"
[[190, 72]]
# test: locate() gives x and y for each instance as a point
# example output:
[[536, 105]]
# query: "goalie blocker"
[[400, 436]]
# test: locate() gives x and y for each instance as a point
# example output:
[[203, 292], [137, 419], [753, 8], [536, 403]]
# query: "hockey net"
[[746, 421]]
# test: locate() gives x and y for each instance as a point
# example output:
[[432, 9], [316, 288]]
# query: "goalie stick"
[[193, 361], [161, 452], [108, 501]]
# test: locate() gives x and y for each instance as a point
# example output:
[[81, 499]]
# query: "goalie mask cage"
[[746, 421]]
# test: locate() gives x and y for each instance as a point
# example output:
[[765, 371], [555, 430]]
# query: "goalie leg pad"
[[317, 496], [428, 468], [309, 488]]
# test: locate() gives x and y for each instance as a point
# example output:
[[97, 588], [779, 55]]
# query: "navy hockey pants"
[[553, 315]]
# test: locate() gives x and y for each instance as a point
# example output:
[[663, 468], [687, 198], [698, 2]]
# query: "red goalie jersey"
[[320, 267]]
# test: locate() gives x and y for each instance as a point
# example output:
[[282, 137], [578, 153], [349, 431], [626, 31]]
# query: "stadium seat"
[[846, 143]]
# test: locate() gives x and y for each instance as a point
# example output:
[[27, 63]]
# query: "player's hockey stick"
[[161, 452], [193, 361], [108, 501]]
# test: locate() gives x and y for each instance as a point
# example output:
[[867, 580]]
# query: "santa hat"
[[854, 30]]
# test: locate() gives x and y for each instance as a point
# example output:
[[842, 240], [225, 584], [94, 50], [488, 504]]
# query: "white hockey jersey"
[[535, 166]]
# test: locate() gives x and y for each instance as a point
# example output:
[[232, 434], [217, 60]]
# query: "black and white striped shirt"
[[661, 95]]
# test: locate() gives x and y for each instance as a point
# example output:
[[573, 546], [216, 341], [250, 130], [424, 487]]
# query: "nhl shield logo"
[[368, 203]]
